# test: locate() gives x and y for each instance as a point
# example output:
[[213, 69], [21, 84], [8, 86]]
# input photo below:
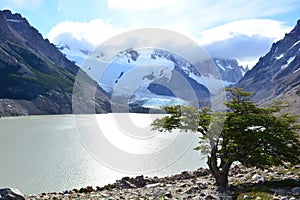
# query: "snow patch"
[[219, 65], [198, 79], [279, 57], [297, 70], [140, 72], [14, 20], [243, 71], [229, 67], [295, 44], [288, 62]]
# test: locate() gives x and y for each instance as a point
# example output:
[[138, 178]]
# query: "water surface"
[[60, 152]]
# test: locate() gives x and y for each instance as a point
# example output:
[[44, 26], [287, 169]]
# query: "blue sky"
[[222, 27]]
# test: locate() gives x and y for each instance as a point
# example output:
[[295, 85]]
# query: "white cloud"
[[250, 27], [200, 15], [82, 35], [244, 40], [242, 36]]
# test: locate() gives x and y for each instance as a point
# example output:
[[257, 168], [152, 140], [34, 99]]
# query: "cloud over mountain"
[[245, 40]]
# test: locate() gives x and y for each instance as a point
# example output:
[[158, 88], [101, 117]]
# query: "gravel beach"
[[198, 184]]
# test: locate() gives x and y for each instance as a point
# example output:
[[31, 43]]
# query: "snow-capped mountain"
[[153, 77]]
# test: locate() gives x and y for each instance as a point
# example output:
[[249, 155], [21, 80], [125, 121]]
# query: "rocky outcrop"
[[35, 77]]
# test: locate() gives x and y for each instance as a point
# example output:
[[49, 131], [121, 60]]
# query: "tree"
[[245, 133]]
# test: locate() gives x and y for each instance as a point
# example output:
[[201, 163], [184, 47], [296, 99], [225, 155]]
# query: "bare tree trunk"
[[220, 173]]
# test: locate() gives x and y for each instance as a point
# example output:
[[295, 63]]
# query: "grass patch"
[[255, 195], [262, 190]]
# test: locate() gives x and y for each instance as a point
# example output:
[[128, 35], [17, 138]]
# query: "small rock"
[[183, 185], [66, 195], [76, 190], [103, 194], [284, 198], [82, 190], [297, 166], [179, 190], [168, 194], [276, 198], [202, 195], [89, 189], [158, 194], [296, 190], [209, 197], [190, 191], [245, 197], [257, 177], [73, 195], [240, 175], [152, 185], [130, 185], [202, 186]]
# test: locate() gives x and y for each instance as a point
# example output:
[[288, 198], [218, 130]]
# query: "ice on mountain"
[[14, 20], [279, 57], [288, 62]]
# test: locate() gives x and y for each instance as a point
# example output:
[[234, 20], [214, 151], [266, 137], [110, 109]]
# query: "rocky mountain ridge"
[[276, 76], [35, 77]]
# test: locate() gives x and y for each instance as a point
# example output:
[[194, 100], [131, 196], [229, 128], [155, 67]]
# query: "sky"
[[239, 29]]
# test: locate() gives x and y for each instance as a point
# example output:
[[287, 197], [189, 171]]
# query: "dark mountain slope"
[[35, 77], [277, 74]]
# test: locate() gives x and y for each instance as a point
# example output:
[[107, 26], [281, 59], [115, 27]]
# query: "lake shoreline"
[[197, 184]]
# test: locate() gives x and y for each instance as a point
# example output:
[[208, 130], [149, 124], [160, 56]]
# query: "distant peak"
[[297, 27], [9, 15]]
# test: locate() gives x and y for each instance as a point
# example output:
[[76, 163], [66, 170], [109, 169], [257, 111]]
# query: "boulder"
[[11, 194], [296, 190]]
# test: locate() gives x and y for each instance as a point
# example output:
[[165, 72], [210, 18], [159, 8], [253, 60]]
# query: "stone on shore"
[[11, 194]]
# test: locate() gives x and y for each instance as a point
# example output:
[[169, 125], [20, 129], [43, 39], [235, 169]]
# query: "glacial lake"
[[54, 153]]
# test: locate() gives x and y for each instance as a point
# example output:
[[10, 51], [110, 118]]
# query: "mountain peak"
[[9, 15], [35, 77], [278, 71]]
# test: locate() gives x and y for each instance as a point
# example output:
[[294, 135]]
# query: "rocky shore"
[[277, 182]]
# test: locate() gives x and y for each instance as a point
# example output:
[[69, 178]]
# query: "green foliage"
[[262, 190], [185, 118], [45, 74], [246, 133]]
